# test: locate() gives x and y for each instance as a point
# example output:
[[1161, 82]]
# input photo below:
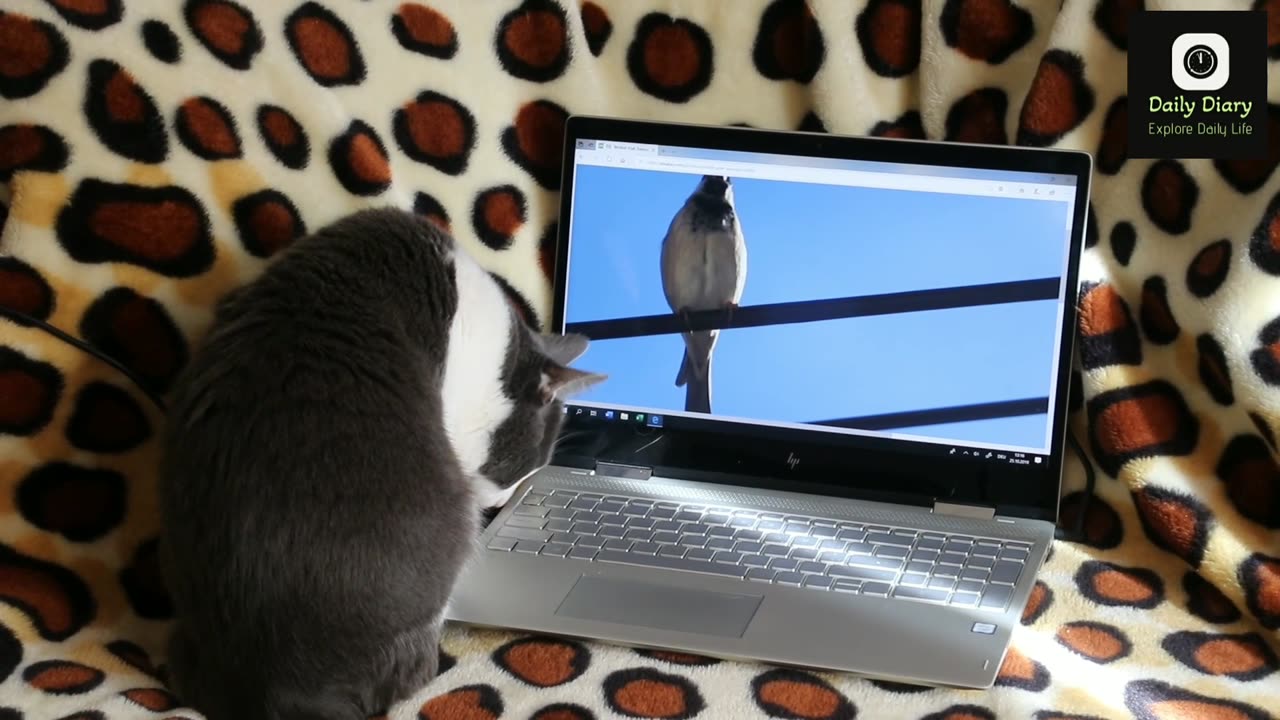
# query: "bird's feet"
[[730, 308]]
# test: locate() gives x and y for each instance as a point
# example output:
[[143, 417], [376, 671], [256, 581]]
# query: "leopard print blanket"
[[156, 154]]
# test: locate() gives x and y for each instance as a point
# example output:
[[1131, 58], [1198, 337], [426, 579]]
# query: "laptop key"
[[916, 566], [770, 525], [720, 543], [984, 551], [525, 522], [783, 563], [500, 543], [687, 516], [951, 558], [804, 553], [700, 554], [875, 588], [563, 537], [528, 546], [860, 573], [760, 574], [693, 540], [1006, 572], [948, 571], [581, 504], [774, 550], [930, 543], [611, 531], [817, 581], [671, 551], [891, 551], [981, 562], [582, 528], [642, 523], [727, 556], [755, 560], [748, 547], [582, 553], [695, 528], [969, 586], [742, 522], [556, 549], [645, 535], [851, 535], [915, 579], [888, 539], [748, 535], [716, 519], [720, 531], [843, 585], [620, 545], [559, 525], [805, 541], [608, 519], [831, 556], [972, 573], [995, 598], [917, 593], [662, 513], [860, 548], [1014, 554], [965, 599], [667, 526], [531, 511], [825, 532], [590, 541], [788, 577], [813, 567], [524, 533], [670, 563], [942, 583], [879, 562], [666, 538], [645, 548]]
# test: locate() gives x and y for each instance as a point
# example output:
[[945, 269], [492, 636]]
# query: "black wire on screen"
[[1076, 533], [24, 319]]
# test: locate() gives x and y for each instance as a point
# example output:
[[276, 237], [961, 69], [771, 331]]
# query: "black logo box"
[[1191, 123]]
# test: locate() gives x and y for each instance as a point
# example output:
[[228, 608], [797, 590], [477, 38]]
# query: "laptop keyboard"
[[767, 547]]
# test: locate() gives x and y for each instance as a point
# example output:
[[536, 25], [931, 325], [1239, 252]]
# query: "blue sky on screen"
[[809, 241]]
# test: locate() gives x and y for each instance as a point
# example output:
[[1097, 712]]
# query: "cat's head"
[[537, 378]]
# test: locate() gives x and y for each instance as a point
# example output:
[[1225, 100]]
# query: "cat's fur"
[[329, 452]]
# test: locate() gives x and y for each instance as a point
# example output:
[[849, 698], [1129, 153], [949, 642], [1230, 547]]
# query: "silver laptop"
[[833, 430]]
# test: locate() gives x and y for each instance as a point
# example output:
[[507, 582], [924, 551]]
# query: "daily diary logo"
[[1197, 84]]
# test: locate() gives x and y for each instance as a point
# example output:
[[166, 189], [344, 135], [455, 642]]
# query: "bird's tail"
[[697, 394], [696, 360]]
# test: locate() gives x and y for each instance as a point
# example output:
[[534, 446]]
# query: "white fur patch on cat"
[[473, 398]]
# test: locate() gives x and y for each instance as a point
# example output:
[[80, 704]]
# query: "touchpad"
[[629, 602]]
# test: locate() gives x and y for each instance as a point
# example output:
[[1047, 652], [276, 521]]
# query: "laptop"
[[833, 430]]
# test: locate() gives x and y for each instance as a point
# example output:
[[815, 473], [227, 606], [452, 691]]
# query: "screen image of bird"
[[803, 303]]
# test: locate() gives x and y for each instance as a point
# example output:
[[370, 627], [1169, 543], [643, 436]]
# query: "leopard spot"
[[284, 136], [1264, 244], [1169, 196], [1260, 577], [163, 229], [161, 42], [1245, 656], [359, 160], [670, 59], [1114, 585], [647, 693], [1020, 671], [543, 662], [961, 712], [1247, 174], [30, 148], [436, 130], [1112, 18], [226, 29], [122, 115], [987, 30], [143, 584], [425, 30], [89, 14], [1101, 526], [10, 653], [1206, 601], [427, 207], [82, 504], [533, 41], [55, 599], [133, 656], [1208, 270], [472, 702], [1040, 600], [138, 332], [888, 33], [1123, 241], [1095, 641], [267, 222], [1108, 334], [1158, 700], [1213, 369], [1145, 420], [497, 214], [1273, 27], [22, 288], [908, 126], [1252, 478], [106, 419], [29, 392], [1158, 322], [536, 141], [1113, 148], [597, 26], [678, 658], [978, 117], [153, 699], [324, 46], [1174, 521], [207, 129], [563, 711], [1058, 101], [1266, 359], [786, 693], [788, 43], [34, 53], [61, 677]]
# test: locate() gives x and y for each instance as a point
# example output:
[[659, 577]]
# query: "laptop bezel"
[[759, 458]]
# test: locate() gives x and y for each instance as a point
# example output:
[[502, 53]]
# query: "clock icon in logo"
[[1200, 61]]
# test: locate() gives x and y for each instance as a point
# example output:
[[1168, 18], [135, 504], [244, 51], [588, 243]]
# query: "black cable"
[[22, 318], [1076, 533]]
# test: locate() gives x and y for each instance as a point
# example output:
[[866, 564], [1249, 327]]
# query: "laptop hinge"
[[977, 512], [618, 470]]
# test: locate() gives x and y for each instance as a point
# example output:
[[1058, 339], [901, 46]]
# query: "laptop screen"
[[920, 304]]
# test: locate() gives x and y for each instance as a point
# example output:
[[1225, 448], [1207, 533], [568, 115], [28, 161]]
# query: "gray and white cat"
[[327, 457]]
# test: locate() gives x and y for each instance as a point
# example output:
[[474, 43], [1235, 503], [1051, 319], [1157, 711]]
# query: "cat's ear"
[[559, 381], [564, 349]]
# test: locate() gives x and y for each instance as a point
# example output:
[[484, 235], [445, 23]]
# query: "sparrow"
[[704, 267]]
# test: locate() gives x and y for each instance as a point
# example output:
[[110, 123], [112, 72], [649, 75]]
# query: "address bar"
[[829, 176]]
